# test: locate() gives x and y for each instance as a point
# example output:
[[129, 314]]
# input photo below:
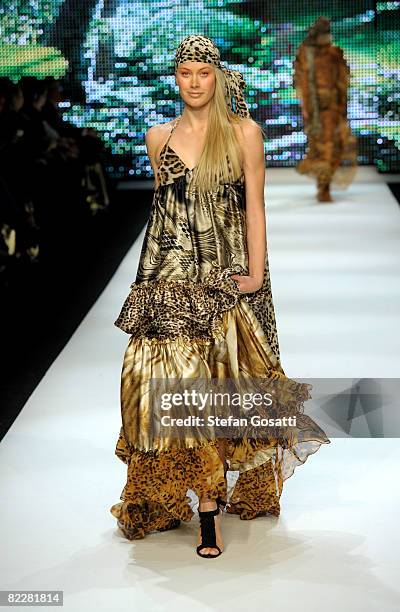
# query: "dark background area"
[[44, 304]]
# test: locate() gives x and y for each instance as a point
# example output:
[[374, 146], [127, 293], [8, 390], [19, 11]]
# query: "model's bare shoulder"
[[249, 126], [156, 132], [152, 138], [250, 138], [155, 137], [247, 130]]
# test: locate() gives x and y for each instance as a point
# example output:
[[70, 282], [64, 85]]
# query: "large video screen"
[[116, 61]]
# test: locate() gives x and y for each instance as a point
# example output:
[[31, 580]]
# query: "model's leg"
[[323, 193], [206, 503]]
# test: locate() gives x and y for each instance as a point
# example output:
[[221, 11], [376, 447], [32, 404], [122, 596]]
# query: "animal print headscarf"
[[199, 48]]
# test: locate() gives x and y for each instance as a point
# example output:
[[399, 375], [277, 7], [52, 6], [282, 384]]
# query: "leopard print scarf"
[[199, 48]]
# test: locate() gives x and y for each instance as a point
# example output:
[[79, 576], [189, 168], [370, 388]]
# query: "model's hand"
[[247, 284]]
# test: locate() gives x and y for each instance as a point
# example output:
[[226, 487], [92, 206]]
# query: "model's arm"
[[152, 139], [254, 173]]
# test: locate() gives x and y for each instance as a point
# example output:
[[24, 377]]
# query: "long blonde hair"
[[220, 142]]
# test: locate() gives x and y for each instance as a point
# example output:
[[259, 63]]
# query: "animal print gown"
[[187, 318], [321, 77]]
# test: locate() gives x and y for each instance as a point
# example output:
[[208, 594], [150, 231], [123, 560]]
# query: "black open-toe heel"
[[208, 536], [222, 502]]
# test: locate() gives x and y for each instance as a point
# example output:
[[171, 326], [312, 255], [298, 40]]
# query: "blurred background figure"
[[82, 143], [321, 78], [19, 229], [52, 179]]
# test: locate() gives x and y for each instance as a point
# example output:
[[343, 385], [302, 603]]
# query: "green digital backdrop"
[[116, 61]]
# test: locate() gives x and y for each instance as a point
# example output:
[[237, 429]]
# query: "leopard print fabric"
[[152, 501], [200, 48]]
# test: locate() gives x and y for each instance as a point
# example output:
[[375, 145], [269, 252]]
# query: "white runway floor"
[[335, 279]]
